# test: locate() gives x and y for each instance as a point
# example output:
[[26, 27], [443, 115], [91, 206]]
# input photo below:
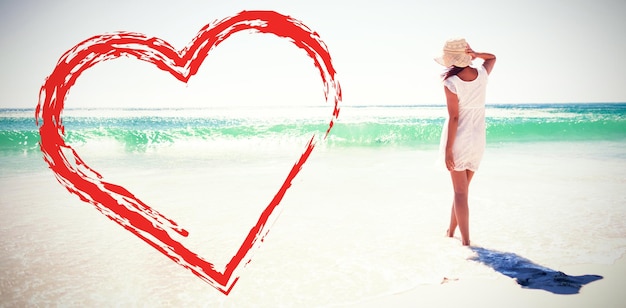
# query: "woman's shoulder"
[[482, 70], [450, 83]]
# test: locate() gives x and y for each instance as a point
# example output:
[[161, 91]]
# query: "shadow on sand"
[[530, 275]]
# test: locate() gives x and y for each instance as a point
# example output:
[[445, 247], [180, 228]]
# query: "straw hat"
[[454, 54]]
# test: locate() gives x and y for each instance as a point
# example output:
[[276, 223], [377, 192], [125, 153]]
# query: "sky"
[[548, 51]]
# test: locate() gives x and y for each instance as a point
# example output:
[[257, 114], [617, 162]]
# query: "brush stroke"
[[119, 204]]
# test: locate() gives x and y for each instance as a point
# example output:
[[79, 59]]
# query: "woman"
[[463, 136]]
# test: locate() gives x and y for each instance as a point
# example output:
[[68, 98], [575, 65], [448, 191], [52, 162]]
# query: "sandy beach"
[[368, 243]]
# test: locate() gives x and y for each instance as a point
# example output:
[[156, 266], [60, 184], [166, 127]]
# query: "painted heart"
[[120, 205]]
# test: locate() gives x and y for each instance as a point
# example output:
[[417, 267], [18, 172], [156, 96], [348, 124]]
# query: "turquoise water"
[[365, 126]]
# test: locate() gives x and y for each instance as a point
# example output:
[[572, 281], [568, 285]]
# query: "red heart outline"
[[117, 203]]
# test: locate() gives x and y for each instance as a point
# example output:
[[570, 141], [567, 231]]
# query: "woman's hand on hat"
[[470, 51], [490, 59]]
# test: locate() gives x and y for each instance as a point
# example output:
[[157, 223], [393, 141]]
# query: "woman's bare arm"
[[490, 59], [453, 111]]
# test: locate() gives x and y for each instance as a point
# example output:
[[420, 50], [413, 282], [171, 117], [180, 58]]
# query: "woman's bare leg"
[[453, 223], [470, 175], [460, 209]]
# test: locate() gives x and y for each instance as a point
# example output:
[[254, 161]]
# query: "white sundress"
[[469, 144]]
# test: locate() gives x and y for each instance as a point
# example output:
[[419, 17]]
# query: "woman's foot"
[[451, 234]]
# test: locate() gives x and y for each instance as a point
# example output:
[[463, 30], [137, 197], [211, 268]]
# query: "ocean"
[[365, 217], [141, 130]]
